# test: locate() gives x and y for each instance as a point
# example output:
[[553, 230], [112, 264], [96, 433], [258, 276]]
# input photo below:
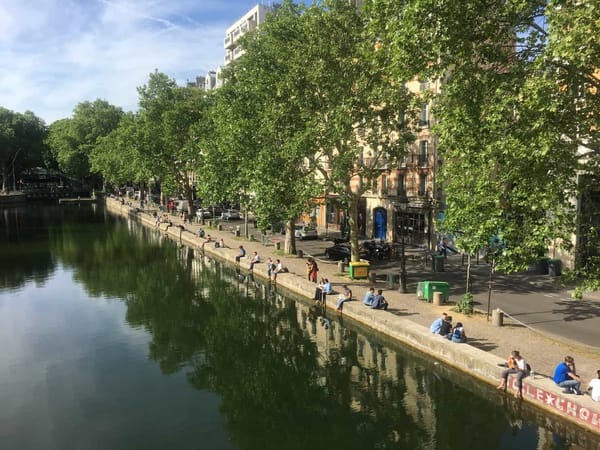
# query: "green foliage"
[[21, 144], [465, 304], [168, 131], [73, 141]]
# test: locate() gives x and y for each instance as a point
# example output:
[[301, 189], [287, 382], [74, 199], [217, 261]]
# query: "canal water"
[[114, 337]]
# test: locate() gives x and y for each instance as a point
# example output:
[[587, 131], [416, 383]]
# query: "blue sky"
[[57, 53]]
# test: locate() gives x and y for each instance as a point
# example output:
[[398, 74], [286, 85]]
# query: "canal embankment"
[[405, 322]]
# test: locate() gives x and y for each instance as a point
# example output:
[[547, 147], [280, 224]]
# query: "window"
[[424, 116], [423, 153], [401, 186], [384, 185], [330, 213], [422, 184]]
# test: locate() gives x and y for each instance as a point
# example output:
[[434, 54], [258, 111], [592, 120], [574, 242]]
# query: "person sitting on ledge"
[[369, 296], [437, 324], [279, 268], [518, 366], [458, 334], [566, 377], [379, 301], [343, 298], [322, 290], [241, 254], [595, 387], [446, 326], [255, 260]]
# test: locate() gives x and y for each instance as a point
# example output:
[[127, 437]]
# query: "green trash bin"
[[358, 270], [426, 289], [438, 263]]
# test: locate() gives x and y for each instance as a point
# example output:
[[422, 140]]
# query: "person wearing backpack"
[[458, 334]]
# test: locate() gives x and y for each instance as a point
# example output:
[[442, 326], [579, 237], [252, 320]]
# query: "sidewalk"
[[542, 351]]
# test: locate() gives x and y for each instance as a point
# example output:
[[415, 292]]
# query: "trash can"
[[300, 253], [437, 263], [358, 270], [554, 267], [428, 288], [541, 266]]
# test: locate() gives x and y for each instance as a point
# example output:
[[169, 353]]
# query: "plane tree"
[[519, 98], [361, 112], [259, 147], [317, 110], [119, 156], [21, 144], [167, 121], [71, 141]]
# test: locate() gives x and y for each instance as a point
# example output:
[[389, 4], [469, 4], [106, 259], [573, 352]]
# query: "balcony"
[[228, 42]]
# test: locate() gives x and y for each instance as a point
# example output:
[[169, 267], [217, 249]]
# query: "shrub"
[[465, 304]]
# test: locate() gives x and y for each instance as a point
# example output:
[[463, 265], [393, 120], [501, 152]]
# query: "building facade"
[[246, 23]]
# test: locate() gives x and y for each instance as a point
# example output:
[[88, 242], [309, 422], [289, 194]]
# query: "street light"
[[403, 204]]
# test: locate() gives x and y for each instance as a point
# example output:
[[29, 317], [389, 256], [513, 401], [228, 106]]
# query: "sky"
[[55, 54]]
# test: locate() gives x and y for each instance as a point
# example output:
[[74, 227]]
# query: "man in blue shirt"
[[379, 301], [566, 377], [369, 296], [436, 326]]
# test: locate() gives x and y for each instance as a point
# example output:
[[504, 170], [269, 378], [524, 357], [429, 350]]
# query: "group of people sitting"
[[375, 301], [275, 268], [443, 327], [565, 376], [322, 290]]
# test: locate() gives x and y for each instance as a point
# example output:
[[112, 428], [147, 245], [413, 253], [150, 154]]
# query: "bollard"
[[390, 280], [497, 317], [438, 298], [277, 245], [341, 266], [219, 227], [372, 277], [300, 253], [237, 233]]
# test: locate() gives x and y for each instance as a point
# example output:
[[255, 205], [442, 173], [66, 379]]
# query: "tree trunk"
[[290, 238], [352, 221], [468, 288]]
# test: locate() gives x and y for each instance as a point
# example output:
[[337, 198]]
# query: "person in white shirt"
[[595, 387], [255, 259], [517, 366]]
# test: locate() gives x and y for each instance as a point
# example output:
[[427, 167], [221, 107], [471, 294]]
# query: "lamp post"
[[403, 275]]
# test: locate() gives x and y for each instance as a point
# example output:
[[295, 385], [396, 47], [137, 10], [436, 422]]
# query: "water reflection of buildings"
[[381, 375]]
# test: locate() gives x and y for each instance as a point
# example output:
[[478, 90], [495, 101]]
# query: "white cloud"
[[57, 53]]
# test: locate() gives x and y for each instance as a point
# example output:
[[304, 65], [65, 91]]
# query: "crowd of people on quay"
[[565, 375]]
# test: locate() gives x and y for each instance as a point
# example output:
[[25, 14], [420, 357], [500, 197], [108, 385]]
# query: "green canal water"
[[114, 337]]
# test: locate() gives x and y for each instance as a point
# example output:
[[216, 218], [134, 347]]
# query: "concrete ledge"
[[541, 392]]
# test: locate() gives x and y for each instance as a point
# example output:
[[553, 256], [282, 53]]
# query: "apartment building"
[[247, 22]]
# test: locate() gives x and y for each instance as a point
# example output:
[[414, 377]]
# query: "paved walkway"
[[542, 350]]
